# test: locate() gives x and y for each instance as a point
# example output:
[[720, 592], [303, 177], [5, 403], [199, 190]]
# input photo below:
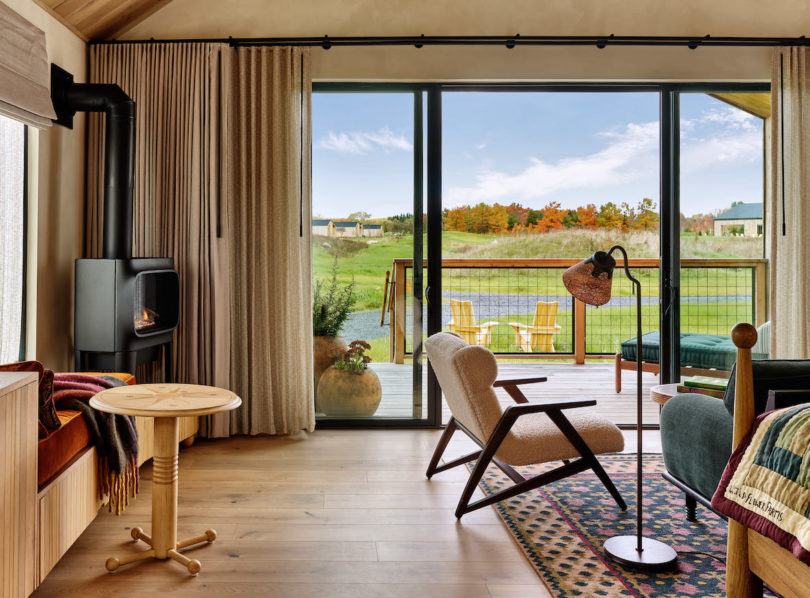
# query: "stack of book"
[[713, 387]]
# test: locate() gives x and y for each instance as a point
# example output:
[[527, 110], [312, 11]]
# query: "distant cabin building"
[[325, 228], [743, 219], [372, 230], [348, 229]]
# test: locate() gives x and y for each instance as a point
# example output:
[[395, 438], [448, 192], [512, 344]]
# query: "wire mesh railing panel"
[[497, 307], [713, 300], [501, 306], [608, 326]]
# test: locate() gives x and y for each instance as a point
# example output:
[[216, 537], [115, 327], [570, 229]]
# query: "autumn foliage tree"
[[496, 218]]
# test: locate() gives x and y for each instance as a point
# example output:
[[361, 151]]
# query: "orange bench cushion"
[[59, 447]]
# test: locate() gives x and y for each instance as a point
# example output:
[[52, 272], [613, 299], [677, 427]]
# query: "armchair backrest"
[[462, 312], [767, 375], [758, 377], [546, 314], [466, 374]]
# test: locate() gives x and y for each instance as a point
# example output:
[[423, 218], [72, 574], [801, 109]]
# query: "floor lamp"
[[590, 281]]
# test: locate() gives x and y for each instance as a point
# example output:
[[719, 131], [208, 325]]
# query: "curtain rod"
[[509, 41]]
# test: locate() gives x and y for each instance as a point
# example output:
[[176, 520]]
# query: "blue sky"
[[573, 148]]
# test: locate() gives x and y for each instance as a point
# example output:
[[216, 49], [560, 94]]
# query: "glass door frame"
[[669, 207], [425, 139]]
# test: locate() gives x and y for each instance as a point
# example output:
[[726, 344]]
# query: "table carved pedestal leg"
[[163, 542]]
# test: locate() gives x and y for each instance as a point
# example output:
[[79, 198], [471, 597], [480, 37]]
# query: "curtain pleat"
[[176, 88], [270, 259], [789, 209], [222, 181]]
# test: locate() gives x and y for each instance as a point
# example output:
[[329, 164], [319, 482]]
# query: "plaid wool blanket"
[[766, 484], [114, 436]]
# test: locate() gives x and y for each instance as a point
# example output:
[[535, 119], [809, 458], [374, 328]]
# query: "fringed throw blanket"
[[114, 436], [766, 484]]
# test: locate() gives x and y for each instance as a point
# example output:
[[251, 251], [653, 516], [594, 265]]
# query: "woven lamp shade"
[[580, 281]]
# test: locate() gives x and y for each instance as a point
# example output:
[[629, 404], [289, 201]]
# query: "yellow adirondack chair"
[[463, 323], [540, 335]]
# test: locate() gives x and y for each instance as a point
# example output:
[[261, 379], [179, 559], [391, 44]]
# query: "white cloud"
[[718, 136], [480, 146], [630, 155], [362, 142]]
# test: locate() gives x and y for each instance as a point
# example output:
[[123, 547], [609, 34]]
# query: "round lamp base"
[[654, 556]]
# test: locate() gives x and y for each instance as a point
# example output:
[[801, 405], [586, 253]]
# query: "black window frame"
[[669, 201]]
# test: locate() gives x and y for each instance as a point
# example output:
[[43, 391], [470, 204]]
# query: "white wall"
[[56, 159], [257, 18]]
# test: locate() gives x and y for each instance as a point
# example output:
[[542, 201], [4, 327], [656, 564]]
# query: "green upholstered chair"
[[696, 430]]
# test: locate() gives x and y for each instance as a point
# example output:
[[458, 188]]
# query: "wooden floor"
[[336, 513], [565, 381]]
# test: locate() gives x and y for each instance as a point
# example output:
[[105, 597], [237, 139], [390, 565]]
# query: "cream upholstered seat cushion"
[[466, 374], [536, 439]]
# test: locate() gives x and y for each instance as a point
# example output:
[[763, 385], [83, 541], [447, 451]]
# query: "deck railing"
[[715, 294]]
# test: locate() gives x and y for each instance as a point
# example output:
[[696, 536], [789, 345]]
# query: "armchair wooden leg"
[[582, 447], [608, 483], [440, 447], [472, 483]]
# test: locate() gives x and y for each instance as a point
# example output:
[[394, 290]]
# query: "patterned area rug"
[[561, 528]]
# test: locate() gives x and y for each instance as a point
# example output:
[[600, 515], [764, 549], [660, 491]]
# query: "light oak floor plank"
[[337, 513]]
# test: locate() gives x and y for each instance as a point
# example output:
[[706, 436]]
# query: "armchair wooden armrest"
[[511, 387], [518, 381]]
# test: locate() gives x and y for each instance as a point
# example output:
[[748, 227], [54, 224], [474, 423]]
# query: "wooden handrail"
[[567, 262], [398, 291]]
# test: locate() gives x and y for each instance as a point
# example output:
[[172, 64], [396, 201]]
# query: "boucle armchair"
[[521, 434]]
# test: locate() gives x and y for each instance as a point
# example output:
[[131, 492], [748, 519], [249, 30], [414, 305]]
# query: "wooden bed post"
[[740, 582]]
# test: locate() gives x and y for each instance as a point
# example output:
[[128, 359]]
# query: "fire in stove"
[[146, 319]]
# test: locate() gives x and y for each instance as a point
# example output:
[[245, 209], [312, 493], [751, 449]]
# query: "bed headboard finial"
[[744, 335]]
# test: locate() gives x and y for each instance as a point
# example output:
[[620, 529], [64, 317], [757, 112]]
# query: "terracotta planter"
[[348, 394], [323, 360]]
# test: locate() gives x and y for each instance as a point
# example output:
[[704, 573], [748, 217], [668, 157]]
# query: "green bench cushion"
[[704, 351]]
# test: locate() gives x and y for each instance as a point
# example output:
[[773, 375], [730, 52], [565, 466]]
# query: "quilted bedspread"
[[766, 484]]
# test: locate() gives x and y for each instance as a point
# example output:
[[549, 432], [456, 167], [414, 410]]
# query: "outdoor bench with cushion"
[[701, 354]]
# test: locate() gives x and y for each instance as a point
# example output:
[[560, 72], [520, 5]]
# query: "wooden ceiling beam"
[[101, 19]]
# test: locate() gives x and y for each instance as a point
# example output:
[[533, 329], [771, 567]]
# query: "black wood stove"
[[126, 308]]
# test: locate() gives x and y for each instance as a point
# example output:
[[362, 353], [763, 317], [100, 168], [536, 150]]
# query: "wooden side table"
[[663, 393], [166, 403]]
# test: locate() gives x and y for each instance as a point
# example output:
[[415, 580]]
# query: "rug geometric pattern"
[[561, 528]]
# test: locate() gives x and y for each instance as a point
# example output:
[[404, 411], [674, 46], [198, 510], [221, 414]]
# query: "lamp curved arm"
[[626, 263]]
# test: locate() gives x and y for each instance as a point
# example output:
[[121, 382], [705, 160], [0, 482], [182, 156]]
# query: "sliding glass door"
[[368, 242], [473, 199]]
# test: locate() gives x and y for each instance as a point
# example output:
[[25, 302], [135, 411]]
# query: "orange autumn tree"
[[552, 218], [586, 216], [455, 219]]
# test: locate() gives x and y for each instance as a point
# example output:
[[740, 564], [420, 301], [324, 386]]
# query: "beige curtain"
[[222, 186], [178, 204], [789, 208], [271, 365]]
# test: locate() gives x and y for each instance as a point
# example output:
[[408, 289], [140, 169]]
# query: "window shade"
[[25, 75]]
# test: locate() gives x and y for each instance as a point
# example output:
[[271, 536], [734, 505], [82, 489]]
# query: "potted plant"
[[331, 305], [349, 388]]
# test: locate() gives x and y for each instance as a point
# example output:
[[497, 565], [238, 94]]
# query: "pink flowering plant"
[[353, 359]]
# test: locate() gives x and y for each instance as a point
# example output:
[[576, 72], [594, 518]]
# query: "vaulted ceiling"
[[101, 19]]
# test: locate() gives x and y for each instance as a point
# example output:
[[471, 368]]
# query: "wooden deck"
[[565, 381]]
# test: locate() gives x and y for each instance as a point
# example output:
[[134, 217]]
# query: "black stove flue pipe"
[[119, 162]]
